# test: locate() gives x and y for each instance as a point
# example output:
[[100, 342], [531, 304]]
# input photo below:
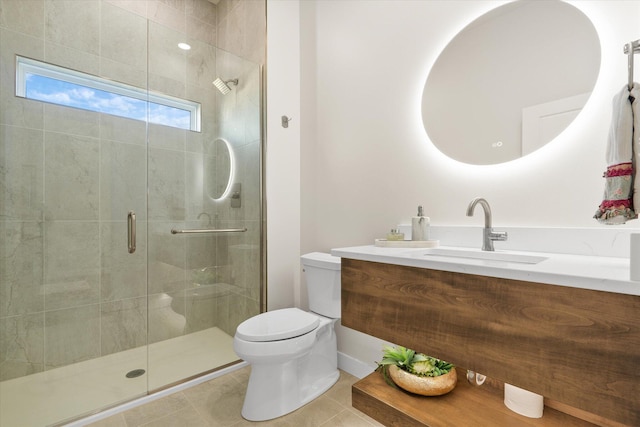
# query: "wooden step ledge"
[[466, 405]]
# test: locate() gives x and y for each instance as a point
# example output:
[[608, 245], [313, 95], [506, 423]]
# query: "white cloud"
[[111, 103]]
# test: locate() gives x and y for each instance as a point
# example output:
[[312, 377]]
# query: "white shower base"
[[65, 393]]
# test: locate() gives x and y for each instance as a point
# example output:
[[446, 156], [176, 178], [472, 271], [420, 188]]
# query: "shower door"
[[204, 209], [73, 300], [100, 302]]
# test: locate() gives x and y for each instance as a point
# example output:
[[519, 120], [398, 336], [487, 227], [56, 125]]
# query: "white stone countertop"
[[607, 274]]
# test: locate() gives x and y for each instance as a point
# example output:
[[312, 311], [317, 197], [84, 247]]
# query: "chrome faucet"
[[489, 235]]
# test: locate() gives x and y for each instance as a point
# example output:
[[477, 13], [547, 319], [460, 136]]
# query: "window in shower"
[[50, 83]]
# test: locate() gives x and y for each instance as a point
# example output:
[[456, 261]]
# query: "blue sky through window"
[[74, 95]]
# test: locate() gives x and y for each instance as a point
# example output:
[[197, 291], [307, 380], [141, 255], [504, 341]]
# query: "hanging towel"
[[617, 205], [634, 98]]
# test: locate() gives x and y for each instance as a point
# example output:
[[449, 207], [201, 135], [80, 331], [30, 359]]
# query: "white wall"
[[367, 161], [282, 171]]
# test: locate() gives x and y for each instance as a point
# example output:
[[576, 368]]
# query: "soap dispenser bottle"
[[420, 226]]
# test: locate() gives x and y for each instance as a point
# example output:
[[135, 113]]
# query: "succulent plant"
[[408, 360]]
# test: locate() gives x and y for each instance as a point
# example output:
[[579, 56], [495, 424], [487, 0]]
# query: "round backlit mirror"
[[218, 168], [511, 81]]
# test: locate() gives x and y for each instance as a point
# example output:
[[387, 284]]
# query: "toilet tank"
[[322, 274]]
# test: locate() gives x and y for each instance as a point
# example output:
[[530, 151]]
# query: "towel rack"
[[209, 230], [630, 49]]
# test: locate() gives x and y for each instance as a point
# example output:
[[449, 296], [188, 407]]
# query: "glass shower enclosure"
[[130, 203]]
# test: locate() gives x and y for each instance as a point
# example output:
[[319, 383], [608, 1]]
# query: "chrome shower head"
[[223, 86]]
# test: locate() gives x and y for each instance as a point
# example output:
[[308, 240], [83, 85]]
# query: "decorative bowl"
[[425, 386]]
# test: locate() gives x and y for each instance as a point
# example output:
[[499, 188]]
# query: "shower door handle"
[[131, 231]]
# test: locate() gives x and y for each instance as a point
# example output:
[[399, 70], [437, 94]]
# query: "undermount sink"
[[485, 255]]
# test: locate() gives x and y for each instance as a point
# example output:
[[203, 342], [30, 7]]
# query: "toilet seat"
[[277, 325]]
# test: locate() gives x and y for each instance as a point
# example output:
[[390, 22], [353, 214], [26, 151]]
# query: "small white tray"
[[384, 243]]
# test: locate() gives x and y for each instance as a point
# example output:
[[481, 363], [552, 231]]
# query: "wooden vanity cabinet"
[[575, 346]]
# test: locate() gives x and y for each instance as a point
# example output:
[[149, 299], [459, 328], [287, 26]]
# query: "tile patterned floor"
[[217, 403]]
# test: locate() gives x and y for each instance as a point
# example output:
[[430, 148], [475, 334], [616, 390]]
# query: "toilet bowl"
[[293, 353]]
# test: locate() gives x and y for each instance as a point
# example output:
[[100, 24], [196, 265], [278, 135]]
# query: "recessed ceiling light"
[[184, 46]]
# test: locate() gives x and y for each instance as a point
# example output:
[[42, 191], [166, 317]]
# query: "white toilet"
[[293, 353]]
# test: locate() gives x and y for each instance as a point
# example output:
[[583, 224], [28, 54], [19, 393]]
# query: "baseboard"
[[353, 366]]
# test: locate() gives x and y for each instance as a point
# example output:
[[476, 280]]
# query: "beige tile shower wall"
[[197, 19], [242, 28], [68, 178]]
